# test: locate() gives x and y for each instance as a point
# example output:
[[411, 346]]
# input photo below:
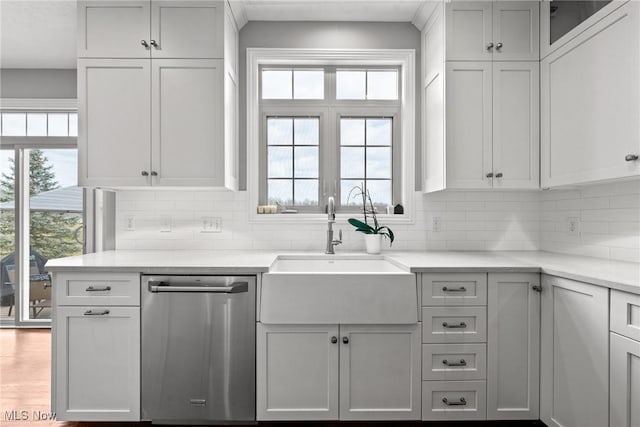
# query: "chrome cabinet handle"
[[490, 175], [461, 402], [334, 340], [631, 157], [462, 362], [154, 44], [345, 340], [144, 43], [489, 45], [499, 175], [144, 173], [96, 313], [460, 289], [499, 46], [460, 325], [154, 173], [98, 288]]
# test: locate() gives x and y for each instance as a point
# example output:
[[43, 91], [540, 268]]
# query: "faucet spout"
[[331, 209]]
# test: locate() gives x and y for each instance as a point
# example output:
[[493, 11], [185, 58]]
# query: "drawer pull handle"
[[460, 289], [98, 288], [96, 313], [460, 325], [461, 402], [631, 157], [462, 362]]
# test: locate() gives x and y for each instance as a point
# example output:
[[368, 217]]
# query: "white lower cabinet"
[[329, 372], [97, 363], [574, 386], [624, 382], [513, 346]]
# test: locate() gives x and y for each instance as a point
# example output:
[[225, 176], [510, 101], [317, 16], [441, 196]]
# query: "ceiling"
[[42, 33]]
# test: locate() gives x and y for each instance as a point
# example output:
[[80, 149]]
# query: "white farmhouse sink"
[[338, 289]]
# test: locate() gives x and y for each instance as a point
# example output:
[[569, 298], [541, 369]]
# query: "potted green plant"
[[373, 233]]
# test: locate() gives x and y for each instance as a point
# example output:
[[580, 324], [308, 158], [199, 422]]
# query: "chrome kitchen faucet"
[[331, 219]]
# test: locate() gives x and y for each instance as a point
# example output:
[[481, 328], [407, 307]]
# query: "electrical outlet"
[[165, 224], [573, 226], [131, 223], [437, 224], [211, 224]]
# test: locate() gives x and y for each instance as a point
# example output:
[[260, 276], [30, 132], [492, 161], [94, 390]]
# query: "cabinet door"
[[97, 366], [468, 127], [516, 31], [297, 372], [516, 134], [624, 382], [513, 345], [113, 29], [187, 29], [114, 122], [575, 354], [380, 372], [469, 31], [591, 123], [187, 134]]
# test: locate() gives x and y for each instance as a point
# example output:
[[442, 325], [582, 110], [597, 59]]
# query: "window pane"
[[379, 162], [276, 84], [380, 192], [280, 162], [350, 84], [14, 124], [307, 131], [279, 131], [306, 192], [280, 191], [351, 131], [346, 187], [36, 124], [308, 84], [352, 162], [7, 234], [55, 219], [58, 125], [73, 124], [382, 85], [378, 131], [306, 162]]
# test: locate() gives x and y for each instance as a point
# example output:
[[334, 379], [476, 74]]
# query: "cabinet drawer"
[[97, 289], [454, 324], [454, 400], [454, 289], [454, 362], [625, 314]]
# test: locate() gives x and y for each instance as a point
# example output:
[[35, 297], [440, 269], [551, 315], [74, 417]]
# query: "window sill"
[[320, 218]]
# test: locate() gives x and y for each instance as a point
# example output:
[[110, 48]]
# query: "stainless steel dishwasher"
[[198, 348]]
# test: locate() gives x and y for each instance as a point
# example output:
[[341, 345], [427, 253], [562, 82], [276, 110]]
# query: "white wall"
[[470, 221], [610, 221]]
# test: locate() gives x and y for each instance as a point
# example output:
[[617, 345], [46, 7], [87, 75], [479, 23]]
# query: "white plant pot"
[[373, 243]]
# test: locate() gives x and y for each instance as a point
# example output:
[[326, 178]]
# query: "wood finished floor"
[[25, 372]]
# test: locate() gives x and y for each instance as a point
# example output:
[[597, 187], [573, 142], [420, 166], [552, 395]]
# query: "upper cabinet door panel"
[[187, 132], [516, 31], [113, 29], [469, 31], [187, 29]]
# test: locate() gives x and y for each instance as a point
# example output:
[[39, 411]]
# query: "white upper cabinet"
[[156, 28], [590, 103], [157, 102], [499, 31]]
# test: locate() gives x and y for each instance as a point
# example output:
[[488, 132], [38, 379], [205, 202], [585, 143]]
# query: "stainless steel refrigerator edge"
[[198, 348]]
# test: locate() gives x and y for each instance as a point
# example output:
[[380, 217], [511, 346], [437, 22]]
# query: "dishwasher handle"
[[234, 288]]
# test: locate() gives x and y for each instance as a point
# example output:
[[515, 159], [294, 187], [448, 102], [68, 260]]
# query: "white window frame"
[[402, 58]]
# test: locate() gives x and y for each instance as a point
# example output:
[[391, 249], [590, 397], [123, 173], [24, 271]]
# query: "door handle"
[[234, 288]]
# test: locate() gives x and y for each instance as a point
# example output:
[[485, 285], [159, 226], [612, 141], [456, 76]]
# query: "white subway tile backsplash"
[[469, 220]]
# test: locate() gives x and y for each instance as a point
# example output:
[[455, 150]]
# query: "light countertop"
[[620, 275]]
